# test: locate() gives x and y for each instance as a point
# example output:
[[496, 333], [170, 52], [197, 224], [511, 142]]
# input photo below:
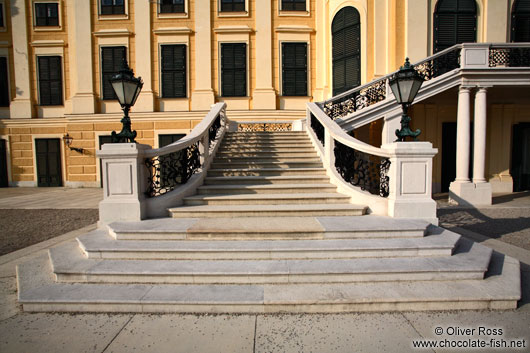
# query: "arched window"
[[455, 21], [521, 21], [346, 42]]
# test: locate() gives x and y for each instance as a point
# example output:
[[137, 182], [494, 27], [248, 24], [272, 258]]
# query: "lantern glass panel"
[[119, 90]]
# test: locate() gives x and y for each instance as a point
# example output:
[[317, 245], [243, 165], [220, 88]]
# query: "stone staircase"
[[267, 232]]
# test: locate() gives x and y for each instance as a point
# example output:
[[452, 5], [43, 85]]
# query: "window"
[[346, 49], [4, 83], [233, 69], [455, 21], [232, 5], [294, 69], [173, 71], [521, 21], [50, 80], [293, 5], [111, 61], [2, 15], [112, 7], [46, 14], [172, 6]]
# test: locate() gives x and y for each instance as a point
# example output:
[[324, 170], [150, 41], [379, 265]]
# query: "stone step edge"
[[37, 292]]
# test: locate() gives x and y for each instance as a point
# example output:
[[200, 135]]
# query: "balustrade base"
[[470, 194]]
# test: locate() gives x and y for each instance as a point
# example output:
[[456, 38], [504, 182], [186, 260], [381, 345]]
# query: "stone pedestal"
[[471, 194], [124, 182]]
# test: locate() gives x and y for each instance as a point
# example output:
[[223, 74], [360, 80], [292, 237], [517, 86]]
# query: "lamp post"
[[405, 84], [127, 88]]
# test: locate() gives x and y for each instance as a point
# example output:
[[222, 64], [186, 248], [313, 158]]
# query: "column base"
[[145, 102], [410, 208], [202, 99], [21, 109], [83, 104], [470, 194], [264, 98], [501, 184]]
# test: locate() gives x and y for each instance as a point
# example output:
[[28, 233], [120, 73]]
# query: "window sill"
[[304, 13], [113, 17], [173, 15], [47, 28], [233, 14]]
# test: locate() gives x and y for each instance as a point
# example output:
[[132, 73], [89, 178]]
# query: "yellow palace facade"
[[265, 58]]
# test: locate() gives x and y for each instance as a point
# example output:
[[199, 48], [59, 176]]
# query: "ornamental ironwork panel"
[[439, 65], [318, 129], [168, 171], [214, 128], [272, 127], [357, 100], [509, 57], [369, 172]]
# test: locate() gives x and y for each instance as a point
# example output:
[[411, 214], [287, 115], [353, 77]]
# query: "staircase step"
[[265, 171], [39, 293], [267, 159], [252, 149], [266, 199], [254, 180], [265, 139], [260, 165], [265, 189], [261, 155], [99, 245], [470, 261], [265, 144], [289, 210]]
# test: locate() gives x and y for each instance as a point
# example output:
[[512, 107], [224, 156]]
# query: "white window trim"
[[173, 15], [308, 67], [245, 13], [247, 74], [34, 15], [160, 44], [102, 17], [285, 13]]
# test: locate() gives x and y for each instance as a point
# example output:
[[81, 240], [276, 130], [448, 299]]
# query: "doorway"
[[520, 169], [48, 152], [3, 164]]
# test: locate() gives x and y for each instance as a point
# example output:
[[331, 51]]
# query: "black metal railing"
[[439, 65], [265, 127], [212, 131], [369, 172], [318, 128], [509, 57], [168, 171]]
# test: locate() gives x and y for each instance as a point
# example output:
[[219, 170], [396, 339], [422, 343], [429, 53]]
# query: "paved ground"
[[350, 332]]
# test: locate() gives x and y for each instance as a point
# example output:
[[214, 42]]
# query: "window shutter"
[[521, 21], [1, 15], [173, 71], [455, 22], [294, 69], [346, 50], [4, 83], [233, 69], [111, 61], [50, 80]]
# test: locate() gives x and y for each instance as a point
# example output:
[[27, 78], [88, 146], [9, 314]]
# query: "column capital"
[[465, 89]]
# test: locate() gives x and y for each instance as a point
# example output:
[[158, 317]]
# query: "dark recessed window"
[[46, 14], [50, 80], [232, 5], [233, 69], [521, 21], [112, 7], [173, 71], [1, 15], [455, 22], [111, 61], [294, 69], [293, 5], [4, 83], [172, 6]]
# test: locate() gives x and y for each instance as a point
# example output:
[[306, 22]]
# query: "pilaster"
[[264, 96], [142, 29]]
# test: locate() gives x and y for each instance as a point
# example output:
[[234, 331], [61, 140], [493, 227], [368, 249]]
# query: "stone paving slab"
[[54, 198]]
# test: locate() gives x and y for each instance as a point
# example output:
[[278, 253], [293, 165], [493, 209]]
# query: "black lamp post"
[[405, 84], [127, 88]]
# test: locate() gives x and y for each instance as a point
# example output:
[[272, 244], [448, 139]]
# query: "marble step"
[[469, 261], [265, 139], [99, 245], [266, 189], [264, 154], [265, 171], [251, 149], [289, 179], [225, 144], [267, 159], [38, 292], [266, 165], [266, 199], [255, 228], [276, 210]]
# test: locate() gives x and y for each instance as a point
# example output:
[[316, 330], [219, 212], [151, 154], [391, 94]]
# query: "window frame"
[[186, 70], [184, 9], [514, 14], [112, 16], [307, 69], [246, 44], [3, 26], [244, 13], [102, 73], [46, 27], [286, 12], [6, 57], [40, 80]]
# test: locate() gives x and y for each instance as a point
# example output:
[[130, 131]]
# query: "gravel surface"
[[510, 225], [22, 228]]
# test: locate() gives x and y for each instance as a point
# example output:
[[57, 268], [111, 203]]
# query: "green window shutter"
[[50, 80], [111, 61], [294, 69], [233, 69], [173, 71], [520, 26], [455, 21], [4, 83]]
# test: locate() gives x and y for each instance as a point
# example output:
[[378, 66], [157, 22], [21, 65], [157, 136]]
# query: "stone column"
[[463, 135], [479, 152], [202, 96], [20, 107], [264, 96], [80, 55], [142, 32]]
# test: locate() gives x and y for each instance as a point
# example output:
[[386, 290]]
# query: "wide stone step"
[[470, 261], [257, 139], [264, 144], [265, 133], [313, 158], [289, 179], [266, 199], [279, 210], [252, 149], [39, 293], [266, 165], [265, 171], [99, 245], [260, 154], [265, 189]]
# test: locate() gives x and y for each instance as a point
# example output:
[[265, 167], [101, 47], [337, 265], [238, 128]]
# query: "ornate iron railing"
[[509, 57], [369, 172], [318, 129], [273, 126], [435, 66], [212, 131], [168, 171]]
